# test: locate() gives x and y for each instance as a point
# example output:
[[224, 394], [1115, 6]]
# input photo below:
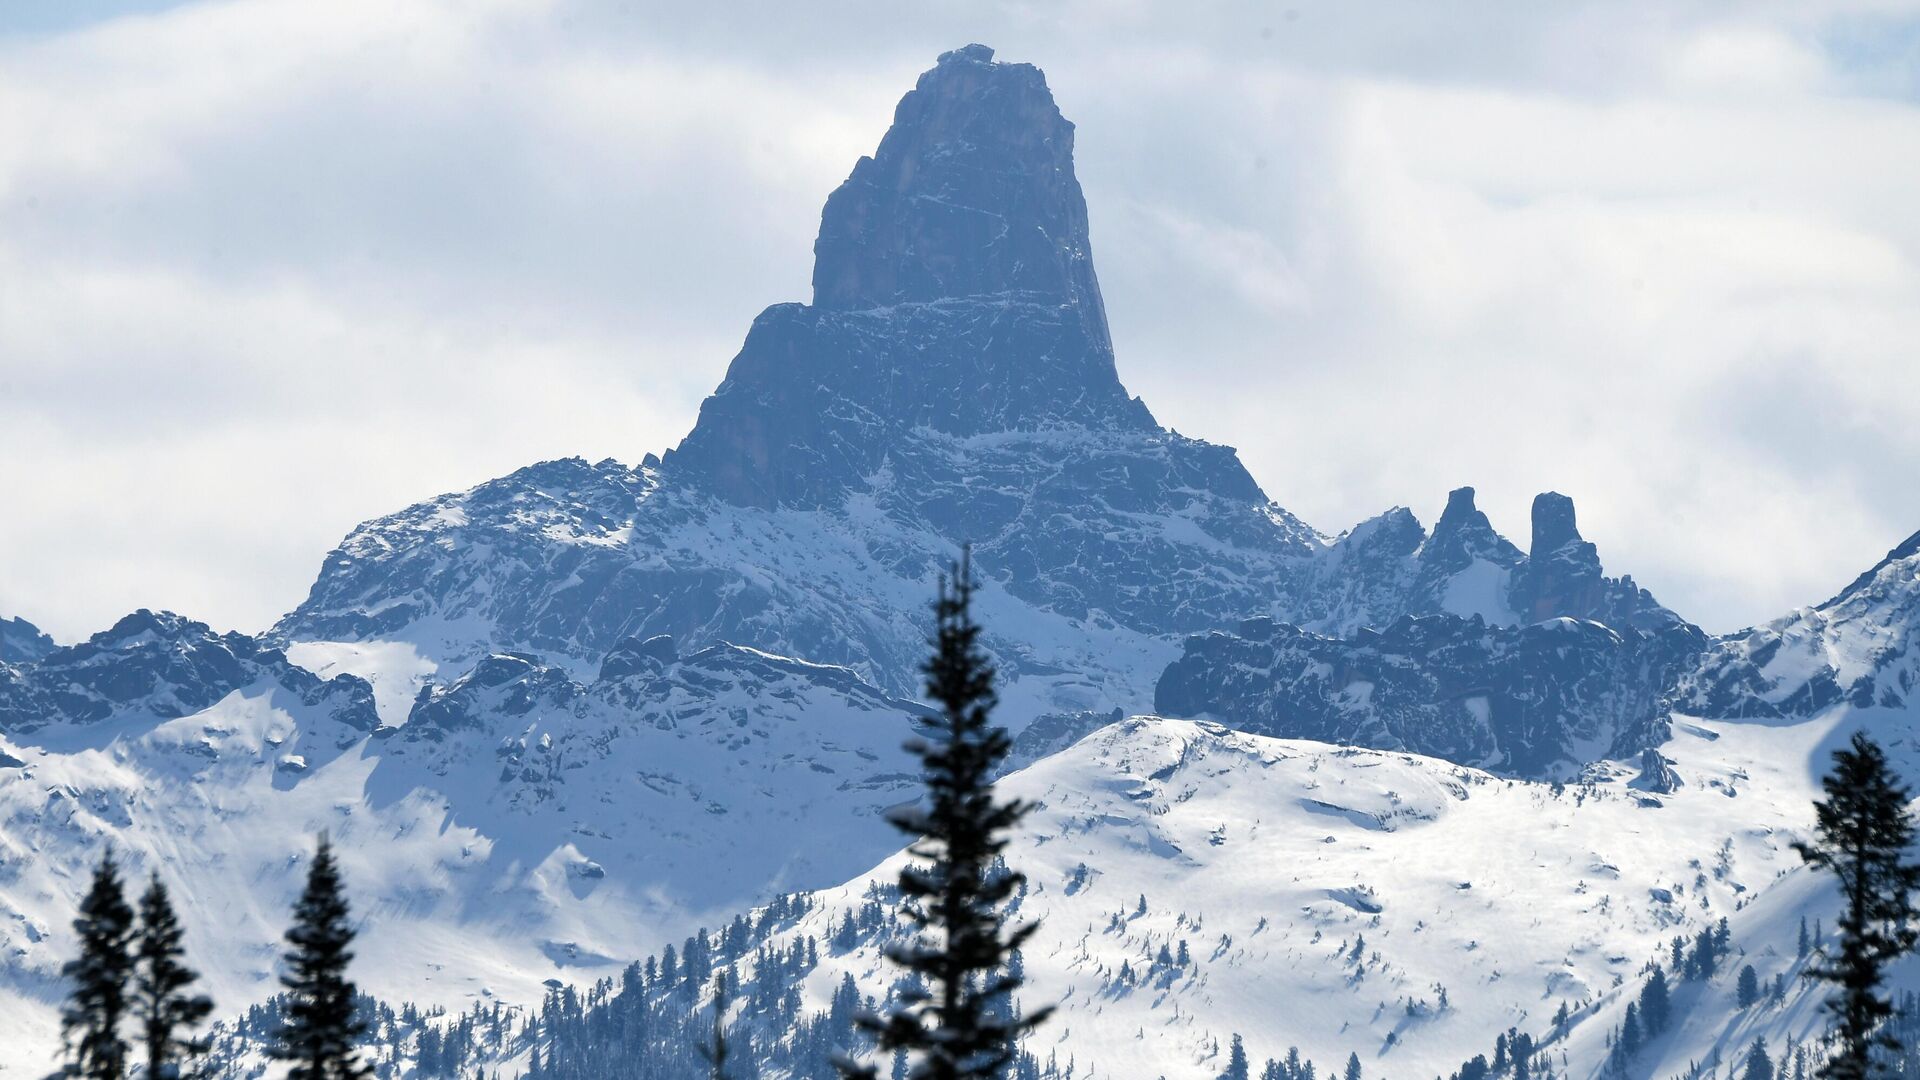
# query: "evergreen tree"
[[1803, 945], [1237, 1068], [1758, 1065], [1862, 831], [956, 890], [1353, 1067], [162, 1004], [320, 1027], [97, 1003], [1656, 1003], [1748, 989], [716, 1051], [1630, 1034]]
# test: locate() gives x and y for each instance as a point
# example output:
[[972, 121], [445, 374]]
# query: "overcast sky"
[[270, 268]]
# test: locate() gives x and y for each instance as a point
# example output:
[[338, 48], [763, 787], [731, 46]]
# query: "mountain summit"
[[971, 193], [954, 292], [953, 382]]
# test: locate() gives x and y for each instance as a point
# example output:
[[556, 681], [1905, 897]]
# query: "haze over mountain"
[[571, 715]]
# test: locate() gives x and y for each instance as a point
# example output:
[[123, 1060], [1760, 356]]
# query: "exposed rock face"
[[161, 666], [1656, 773], [1562, 576], [953, 292], [1537, 700], [1860, 647], [1463, 540], [21, 641], [971, 193], [1390, 566]]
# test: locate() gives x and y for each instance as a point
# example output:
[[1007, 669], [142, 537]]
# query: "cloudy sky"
[[271, 267]]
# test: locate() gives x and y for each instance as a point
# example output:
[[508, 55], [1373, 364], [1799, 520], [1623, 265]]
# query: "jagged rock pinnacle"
[[1553, 524], [971, 193], [954, 292]]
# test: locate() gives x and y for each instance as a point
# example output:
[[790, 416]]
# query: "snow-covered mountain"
[[560, 719], [953, 381], [159, 666], [1859, 648], [21, 640], [1528, 664], [511, 826]]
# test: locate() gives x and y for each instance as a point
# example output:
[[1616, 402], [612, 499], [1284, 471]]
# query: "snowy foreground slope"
[[1194, 883], [1272, 860]]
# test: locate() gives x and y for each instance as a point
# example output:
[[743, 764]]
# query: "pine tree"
[[1630, 1035], [716, 1052], [1237, 1068], [1748, 989], [90, 1023], [320, 1026], [1353, 1067], [956, 890], [1758, 1066], [1862, 832], [162, 1005], [1656, 1003]]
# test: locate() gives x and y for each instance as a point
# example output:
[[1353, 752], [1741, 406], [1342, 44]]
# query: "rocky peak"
[[22, 642], [1462, 535], [971, 193], [954, 293], [1553, 524], [1858, 647], [1898, 572], [163, 665], [1563, 576]]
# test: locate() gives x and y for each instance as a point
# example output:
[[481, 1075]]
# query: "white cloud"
[[269, 268]]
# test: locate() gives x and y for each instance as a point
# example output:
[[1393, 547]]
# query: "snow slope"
[[1193, 883], [1272, 859], [516, 826]]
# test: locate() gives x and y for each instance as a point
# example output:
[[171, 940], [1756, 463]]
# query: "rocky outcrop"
[[1390, 566], [22, 642], [1656, 773], [1536, 700], [971, 193], [1562, 576], [158, 665]]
